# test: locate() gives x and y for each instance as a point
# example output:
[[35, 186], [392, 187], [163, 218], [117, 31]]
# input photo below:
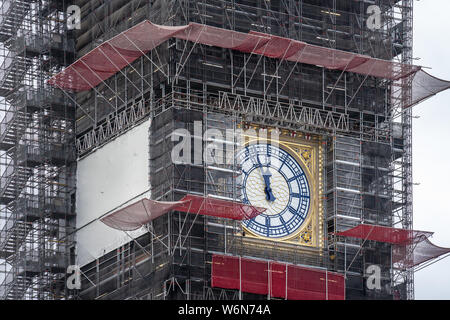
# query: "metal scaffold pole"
[[336, 90], [38, 155]]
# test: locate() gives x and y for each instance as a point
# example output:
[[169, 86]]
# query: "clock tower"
[[243, 139]]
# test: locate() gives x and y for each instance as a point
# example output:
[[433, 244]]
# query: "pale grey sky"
[[431, 141]]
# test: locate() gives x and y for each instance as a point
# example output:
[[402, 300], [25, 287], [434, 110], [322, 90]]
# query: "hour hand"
[[266, 176]]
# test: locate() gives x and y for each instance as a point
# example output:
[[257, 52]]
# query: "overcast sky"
[[431, 141]]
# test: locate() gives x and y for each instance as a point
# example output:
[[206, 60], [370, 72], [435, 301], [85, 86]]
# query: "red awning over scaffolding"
[[384, 234], [113, 55], [281, 280], [116, 53], [218, 208], [410, 247], [135, 215]]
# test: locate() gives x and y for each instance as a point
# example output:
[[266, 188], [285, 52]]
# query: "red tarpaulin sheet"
[[383, 234], [135, 215], [120, 51], [114, 54], [410, 247], [260, 277], [218, 208]]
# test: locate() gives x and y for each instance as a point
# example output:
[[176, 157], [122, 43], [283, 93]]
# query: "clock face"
[[274, 180]]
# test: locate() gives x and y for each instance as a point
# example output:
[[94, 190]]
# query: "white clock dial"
[[274, 180]]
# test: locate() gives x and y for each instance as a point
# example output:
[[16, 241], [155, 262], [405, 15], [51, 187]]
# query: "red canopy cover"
[[410, 247], [384, 234], [141, 212], [114, 54], [218, 208]]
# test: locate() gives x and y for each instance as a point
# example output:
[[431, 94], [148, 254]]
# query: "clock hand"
[[267, 189], [266, 176]]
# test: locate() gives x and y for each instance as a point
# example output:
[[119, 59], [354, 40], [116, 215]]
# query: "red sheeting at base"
[[260, 277], [278, 280], [225, 272], [254, 276]]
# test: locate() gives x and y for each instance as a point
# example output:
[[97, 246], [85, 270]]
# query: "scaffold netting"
[[113, 55], [134, 216], [384, 234], [410, 248], [137, 214], [422, 251], [281, 280], [425, 85], [218, 208]]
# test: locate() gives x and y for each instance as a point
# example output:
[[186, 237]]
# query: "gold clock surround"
[[308, 152]]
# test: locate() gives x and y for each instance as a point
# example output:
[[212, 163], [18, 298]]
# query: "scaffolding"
[[360, 117], [37, 158]]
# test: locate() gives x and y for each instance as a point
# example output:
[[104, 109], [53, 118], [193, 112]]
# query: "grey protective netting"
[[425, 85], [137, 214], [422, 250], [409, 247]]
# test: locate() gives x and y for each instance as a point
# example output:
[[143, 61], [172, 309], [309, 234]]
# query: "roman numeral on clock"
[[296, 177], [268, 226], [298, 195], [293, 211], [283, 222]]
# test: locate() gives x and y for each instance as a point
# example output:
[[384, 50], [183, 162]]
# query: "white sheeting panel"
[[107, 179]]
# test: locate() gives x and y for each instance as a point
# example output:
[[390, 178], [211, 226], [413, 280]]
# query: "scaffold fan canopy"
[[113, 55], [410, 247], [139, 213]]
